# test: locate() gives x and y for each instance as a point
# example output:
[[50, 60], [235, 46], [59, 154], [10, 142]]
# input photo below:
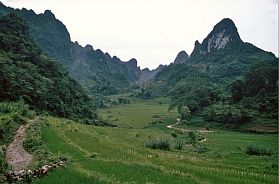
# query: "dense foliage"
[[258, 88], [39, 81], [227, 114]]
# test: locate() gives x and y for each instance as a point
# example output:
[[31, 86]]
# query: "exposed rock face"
[[218, 41], [181, 57], [133, 69], [223, 34]]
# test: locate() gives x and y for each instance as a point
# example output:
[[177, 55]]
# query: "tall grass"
[[16, 107], [258, 150], [159, 143]]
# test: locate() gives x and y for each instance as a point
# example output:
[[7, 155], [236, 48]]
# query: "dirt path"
[[16, 156], [188, 130]]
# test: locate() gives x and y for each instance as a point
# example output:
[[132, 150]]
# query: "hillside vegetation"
[[28, 75], [210, 117], [225, 80], [98, 72]]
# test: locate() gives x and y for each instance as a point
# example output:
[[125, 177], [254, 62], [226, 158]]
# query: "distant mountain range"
[[98, 72], [222, 54]]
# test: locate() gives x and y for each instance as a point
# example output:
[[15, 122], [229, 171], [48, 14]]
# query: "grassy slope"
[[122, 156], [139, 114]]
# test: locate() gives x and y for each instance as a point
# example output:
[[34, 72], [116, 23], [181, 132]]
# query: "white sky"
[[154, 31]]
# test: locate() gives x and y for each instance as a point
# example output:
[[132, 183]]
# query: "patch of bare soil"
[[188, 130], [17, 156]]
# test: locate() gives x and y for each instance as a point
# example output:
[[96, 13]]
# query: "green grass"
[[137, 115], [123, 158]]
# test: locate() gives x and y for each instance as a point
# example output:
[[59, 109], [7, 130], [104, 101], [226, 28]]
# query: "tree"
[[237, 89], [184, 112]]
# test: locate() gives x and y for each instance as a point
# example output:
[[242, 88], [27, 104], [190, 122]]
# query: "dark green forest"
[[41, 82]]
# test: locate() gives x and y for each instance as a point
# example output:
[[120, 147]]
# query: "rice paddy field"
[[120, 155]]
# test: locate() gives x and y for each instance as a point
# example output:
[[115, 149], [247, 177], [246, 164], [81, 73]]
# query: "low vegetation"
[[123, 157], [258, 150], [34, 144], [159, 143], [12, 115]]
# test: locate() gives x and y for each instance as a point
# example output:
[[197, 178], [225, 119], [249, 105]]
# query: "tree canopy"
[[27, 74]]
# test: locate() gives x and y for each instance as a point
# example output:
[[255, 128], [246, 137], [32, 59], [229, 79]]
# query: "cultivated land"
[[226, 84], [118, 155]]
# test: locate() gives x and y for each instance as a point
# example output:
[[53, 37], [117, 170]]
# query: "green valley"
[[73, 114], [123, 158]]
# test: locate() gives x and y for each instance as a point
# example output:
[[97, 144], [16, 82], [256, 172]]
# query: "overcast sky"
[[154, 31]]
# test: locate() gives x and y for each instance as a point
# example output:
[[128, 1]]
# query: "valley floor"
[[121, 157]]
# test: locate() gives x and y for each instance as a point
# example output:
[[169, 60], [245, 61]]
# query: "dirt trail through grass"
[[188, 130], [17, 156]]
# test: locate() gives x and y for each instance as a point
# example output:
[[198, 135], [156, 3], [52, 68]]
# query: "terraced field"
[[121, 157]]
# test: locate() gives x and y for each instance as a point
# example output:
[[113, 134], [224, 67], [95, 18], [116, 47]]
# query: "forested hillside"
[[235, 80], [98, 72], [28, 75]]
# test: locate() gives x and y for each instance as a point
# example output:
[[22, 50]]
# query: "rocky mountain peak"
[[89, 48], [222, 34], [49, 13], [132, 62], [181, 57], [197, 43]]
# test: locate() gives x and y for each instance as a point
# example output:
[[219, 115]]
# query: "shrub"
[[201, 149], [258, 150], [192, 137], [33, 140], [173, 134], [157, 121], [158, 143], [179, 144], [123, 100], [92, 155], [20, 108]]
